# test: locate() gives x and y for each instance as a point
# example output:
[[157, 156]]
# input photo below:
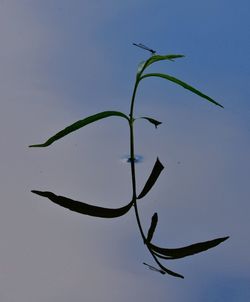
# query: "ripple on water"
[[138, 159]]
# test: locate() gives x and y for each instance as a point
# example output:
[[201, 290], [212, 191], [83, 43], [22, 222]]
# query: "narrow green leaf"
[[183, 84], [84, 208], [157, 58], [140, 68], [187, 250], [79, 124], [153, 225], [157, 169], [151, 120]]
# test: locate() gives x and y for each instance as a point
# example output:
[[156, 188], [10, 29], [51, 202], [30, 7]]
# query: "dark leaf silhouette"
[[151, 120], [79, 124], [163, 270], [183, 84], [158, 167], [155, 269], [84, 208], [152, 227], [187, 250], [168, 271]]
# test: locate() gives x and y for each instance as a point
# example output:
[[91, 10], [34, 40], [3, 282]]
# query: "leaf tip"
[[37, 145], [159, 163], [38, 192], [35, 191]]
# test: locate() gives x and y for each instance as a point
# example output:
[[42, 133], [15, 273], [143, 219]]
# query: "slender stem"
[[133, 100], [132, 159], [132, 163], [133, 174], [132, 148]]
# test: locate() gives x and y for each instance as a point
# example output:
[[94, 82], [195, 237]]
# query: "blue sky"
[[64, 60]]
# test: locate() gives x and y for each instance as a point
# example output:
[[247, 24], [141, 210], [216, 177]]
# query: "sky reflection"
[[62, 61]]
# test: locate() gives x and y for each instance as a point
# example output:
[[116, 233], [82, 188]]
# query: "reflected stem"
[[132, 159], [133, 172]]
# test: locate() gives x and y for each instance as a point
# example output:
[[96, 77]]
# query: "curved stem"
[[133, 100], [133, 174], [132, 159], [132, 162]]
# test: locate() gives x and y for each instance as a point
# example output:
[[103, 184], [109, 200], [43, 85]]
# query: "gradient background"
[[61, 61]]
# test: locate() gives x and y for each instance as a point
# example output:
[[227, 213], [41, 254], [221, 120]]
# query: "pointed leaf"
[[157, 58], [79, 124], [163, 270], [140, 68], [183, 84], [155, 269], [151, 230], [84, 208], [168, 271], [158, 167], [187, 250], [151, 120]]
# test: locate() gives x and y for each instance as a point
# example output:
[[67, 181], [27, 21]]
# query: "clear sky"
[[61, 61]]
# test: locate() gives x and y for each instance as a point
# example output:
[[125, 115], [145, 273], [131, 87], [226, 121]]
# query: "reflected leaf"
[[158, 167], [189, 250], [183, 84], [84, 208], [152, 227], [163, 270], [151, 120], [79, 124], [168, 271], [155, 269]]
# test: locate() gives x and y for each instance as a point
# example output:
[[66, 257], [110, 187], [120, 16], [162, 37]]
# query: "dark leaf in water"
[[158, 167], [84, 208], [183, 84], [187, 250], [168, 271], [163, 270], [152, 227], [151, 120], [155, 269], [79, 124]]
